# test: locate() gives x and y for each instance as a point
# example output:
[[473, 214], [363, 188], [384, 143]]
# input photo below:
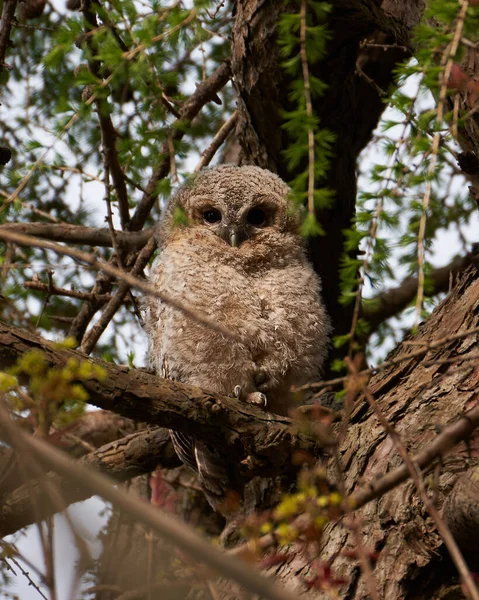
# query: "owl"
[[230, 249]]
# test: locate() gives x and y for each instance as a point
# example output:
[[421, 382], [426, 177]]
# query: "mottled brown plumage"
[[240, 261]]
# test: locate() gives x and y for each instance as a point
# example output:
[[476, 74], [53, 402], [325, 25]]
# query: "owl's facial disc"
[[235, 226]]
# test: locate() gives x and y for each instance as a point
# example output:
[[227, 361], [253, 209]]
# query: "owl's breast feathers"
[[267, 296]]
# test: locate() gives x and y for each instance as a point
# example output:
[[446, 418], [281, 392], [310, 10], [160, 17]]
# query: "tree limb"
[[239, 429], [392, 302], [165, 525], [77, 234], [133, 455], [8, 14]]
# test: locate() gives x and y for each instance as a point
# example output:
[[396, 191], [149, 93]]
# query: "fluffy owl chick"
[[239, 260]]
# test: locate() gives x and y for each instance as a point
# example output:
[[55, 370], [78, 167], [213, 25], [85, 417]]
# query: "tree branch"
[[108, 132], [77, 234], [165, 525], [390, 303], [90, 340], [239, 429], [205, 92], [133, 455], [123, 276], [8, 14], [452, 435]]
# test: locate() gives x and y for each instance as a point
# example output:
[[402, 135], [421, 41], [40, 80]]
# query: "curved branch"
[[166, 525], [133, 455]]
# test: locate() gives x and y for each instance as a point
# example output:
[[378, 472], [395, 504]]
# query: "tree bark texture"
[[418, 397]]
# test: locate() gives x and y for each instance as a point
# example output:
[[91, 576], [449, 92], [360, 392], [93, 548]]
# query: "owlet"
[[237, 257]]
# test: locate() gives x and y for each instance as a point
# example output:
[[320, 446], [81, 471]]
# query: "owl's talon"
[[237, 391], [257, 399]]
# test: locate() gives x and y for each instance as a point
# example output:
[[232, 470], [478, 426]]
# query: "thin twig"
[[57, 291], [157, 38], [78, 234], [309, 107], [451, 435], [447, 61], [205, 92], [415, 354], [116, 301], [147, 288], [217, 141]]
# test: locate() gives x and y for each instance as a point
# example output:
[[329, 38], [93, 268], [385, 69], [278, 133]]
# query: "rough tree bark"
[[417, 397]]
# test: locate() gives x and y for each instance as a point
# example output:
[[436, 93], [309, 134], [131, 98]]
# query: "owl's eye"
[[212, 216], [256, 217]]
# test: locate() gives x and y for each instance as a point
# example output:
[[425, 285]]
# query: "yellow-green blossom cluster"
[[48, 394]]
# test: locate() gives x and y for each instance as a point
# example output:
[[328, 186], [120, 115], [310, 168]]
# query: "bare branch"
[[393, 301], [108, 132], [53, 290], [205, 92], [77, 234], [8, 14], [217, 141], [114, 304], [128, 278]]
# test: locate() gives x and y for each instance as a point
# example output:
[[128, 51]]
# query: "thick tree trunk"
[[417, 397]]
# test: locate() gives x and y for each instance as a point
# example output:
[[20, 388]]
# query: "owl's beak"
[[234, 240], [234, 236]]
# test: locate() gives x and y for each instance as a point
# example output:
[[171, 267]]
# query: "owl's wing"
[[209, 464], [213, 473], [184, 448]]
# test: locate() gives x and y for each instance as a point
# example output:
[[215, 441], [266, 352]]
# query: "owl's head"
[[235, 204]]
